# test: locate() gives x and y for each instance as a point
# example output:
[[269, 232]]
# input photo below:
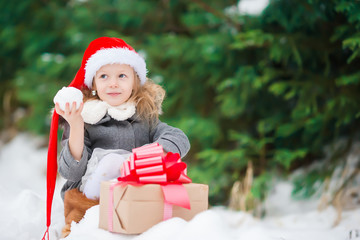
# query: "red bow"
[[148, 164]]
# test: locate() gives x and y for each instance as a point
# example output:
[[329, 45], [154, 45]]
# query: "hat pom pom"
[[68, 95]]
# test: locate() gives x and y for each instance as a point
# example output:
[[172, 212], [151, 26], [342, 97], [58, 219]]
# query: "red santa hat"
[[100, 52], [103, 51]]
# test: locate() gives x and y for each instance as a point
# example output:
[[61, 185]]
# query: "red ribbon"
[[148, 164]]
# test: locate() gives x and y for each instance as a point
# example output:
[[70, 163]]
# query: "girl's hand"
[[71, 115]]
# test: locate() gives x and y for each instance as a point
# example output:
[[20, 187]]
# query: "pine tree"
[[272, 89]]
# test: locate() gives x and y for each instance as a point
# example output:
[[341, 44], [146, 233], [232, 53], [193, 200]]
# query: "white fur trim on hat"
[[114, 55]]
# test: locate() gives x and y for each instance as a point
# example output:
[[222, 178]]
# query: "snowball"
[[68, 95]]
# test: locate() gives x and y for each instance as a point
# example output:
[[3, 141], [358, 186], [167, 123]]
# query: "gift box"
[[136, 208], [153, 187]]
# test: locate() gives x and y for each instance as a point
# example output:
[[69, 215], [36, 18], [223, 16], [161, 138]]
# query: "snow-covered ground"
[[22, 210]]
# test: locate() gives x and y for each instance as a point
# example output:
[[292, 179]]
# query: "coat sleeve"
[[172, 139], [68, 167]]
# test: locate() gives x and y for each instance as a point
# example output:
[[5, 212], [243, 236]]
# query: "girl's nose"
[[114, 82]]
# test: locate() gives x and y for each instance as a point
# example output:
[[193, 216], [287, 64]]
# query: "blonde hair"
[[148, 99]]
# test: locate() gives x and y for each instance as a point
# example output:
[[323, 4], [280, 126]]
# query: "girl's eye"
[[122, 75], [103, 76]]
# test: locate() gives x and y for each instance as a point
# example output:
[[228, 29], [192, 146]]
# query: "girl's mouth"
[[113, 94]]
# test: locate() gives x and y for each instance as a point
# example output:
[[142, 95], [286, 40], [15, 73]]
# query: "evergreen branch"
[[217, 13]]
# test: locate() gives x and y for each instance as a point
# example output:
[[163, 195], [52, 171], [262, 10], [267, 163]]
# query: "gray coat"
[[112, 134]]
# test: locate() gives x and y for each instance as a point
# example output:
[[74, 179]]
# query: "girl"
[[120, 112]]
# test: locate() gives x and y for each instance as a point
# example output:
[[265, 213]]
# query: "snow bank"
[[22, 210]]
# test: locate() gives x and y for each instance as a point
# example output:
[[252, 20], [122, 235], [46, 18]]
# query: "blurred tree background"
[[272, 89]]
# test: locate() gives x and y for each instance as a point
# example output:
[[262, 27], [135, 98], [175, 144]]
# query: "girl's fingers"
[[67, 108], [73, 108], [81, 107], [77, 111], [58, 109]]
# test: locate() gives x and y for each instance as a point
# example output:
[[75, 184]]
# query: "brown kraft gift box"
[[138, 208]]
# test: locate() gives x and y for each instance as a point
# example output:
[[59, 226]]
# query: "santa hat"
[[104, 51], [100, 52]]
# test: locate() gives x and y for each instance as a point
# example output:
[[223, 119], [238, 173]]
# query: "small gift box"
[[150, 190], [135, 209]]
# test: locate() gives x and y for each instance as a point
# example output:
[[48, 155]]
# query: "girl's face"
[[114, 83]]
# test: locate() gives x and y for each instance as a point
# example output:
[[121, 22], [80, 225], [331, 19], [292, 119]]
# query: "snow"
[[23, 204], [282, 191], [68, 95], [252, 7]]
